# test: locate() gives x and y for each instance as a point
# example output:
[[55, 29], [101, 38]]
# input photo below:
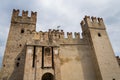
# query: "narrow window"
[[18, 58], [22, 30], [52, 58], [33, 65], [4, 65], [99, 35], [17, 64], [42, 57], [20, 45], [59, 36]]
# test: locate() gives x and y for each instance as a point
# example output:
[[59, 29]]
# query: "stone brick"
[[31, 55]]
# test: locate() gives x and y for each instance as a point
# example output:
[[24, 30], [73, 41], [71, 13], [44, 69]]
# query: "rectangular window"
[[47, 57]]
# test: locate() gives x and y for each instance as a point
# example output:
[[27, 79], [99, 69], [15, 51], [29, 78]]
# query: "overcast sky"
[[64, 13]]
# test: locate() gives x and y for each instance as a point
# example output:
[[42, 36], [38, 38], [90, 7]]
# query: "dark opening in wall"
[[99, 35], [59, 36], [17, 64], [113, 78], [33, 65], [20, 45], [22, 30], [42, 57], [18, 58], [47, 76], [52, 58], [4, 65]]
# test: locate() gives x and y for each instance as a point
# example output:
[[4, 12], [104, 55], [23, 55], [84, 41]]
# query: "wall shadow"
[[18, 71], [86, 61]]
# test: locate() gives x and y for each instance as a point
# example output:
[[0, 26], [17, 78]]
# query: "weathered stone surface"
[[31, 55]]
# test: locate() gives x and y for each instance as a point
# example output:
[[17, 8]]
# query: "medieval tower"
[[31, 55]]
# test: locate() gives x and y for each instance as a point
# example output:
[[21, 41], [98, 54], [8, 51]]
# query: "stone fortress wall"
[[31, 55]]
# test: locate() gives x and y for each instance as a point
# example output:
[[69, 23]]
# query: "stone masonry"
[[31, 55]]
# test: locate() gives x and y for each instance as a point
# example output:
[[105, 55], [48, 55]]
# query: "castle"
[[31, 55]]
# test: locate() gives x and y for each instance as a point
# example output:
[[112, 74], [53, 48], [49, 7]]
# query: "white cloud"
[[66, 13]]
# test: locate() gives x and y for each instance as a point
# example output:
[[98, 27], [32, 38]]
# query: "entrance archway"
[[47, 76]]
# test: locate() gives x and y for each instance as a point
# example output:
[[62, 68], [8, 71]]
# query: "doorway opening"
[[47, 76]]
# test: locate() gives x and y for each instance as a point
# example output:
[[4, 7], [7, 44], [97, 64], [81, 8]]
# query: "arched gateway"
[[47, 76]]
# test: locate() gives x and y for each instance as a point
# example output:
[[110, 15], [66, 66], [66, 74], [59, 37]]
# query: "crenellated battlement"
[[55, 35], [69, 35], [77, 35], [49, 55], [15, 12], [92, 22], [24, 14], [24, 18]]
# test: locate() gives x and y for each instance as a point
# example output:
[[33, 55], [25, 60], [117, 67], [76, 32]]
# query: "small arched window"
[[17, 64], [22, 30], [4, 65], [18, 58], [20, 45], [99, 35]]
